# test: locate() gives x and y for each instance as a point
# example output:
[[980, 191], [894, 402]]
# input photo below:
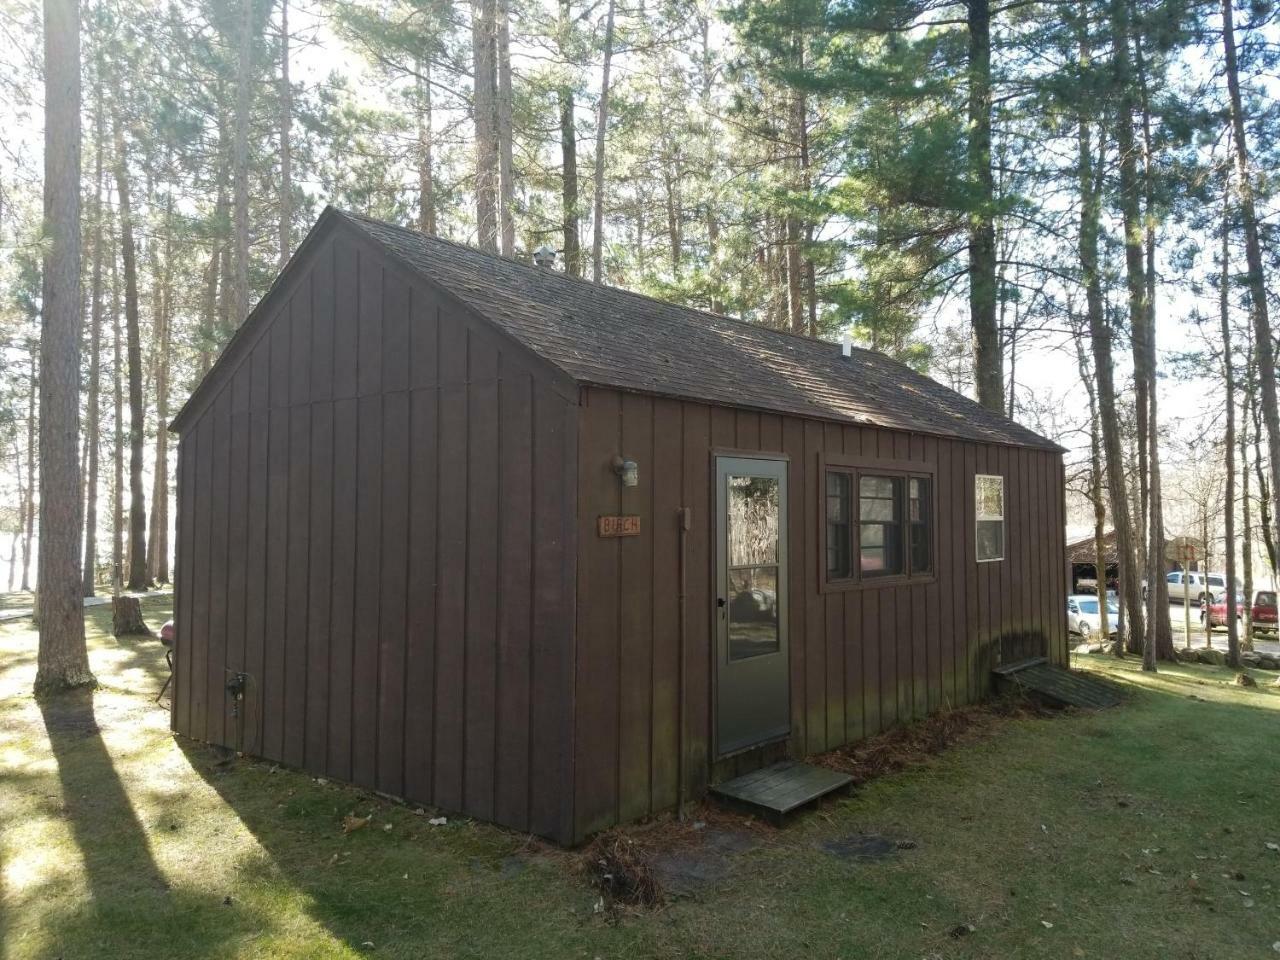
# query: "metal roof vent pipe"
[[846, 345], [544, 256]]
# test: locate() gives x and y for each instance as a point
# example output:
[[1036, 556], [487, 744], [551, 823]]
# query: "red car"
[[1264, 610], [1218, 611]]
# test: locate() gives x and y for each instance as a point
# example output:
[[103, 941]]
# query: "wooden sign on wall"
[[619, 526]]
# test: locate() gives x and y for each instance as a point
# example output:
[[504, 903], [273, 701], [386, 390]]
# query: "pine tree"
[[62, 659]]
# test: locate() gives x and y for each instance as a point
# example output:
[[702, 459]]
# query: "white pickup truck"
[[1199, 587]]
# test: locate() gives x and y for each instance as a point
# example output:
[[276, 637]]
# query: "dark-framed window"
[[878, 524]]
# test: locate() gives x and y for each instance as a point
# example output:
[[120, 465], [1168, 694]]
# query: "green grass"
[[1133, 832]]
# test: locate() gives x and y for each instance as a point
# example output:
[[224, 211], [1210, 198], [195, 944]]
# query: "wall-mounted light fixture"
[[628, 471]]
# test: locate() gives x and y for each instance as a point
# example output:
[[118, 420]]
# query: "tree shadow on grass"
[[131, 905], [117, 855], [392, 881]]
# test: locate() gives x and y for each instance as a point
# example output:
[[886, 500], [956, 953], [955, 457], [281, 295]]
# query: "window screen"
[[880, 526]]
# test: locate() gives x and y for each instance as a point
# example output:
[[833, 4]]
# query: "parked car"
[[1199, 586], [1090, 585], [1084, 616], [1216, 610], [1264, 612]]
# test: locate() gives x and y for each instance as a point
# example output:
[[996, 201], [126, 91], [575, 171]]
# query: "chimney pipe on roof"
[[544, 256], [846, 345]]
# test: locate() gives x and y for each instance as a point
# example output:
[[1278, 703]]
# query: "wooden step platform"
[[777, 791], [1057, 685]]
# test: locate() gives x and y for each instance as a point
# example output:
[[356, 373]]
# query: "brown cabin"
[[555, 555]]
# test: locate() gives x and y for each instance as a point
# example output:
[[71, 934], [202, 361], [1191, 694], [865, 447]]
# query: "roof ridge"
[[569, 278]]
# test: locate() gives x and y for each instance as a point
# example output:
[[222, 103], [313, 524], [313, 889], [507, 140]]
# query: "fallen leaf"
[[1046, 924], [1273, 846], [438, 821], [386, 828]]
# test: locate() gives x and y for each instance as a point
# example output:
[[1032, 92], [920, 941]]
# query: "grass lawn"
[[1138, 832]]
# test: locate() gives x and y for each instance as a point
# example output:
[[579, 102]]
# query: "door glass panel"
[[753, 611], [754, 511], [753, 521]]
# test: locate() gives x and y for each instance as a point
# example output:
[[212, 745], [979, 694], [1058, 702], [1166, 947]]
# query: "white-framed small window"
[[988, 495]]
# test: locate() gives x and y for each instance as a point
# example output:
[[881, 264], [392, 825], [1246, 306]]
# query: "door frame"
[[719, 642]]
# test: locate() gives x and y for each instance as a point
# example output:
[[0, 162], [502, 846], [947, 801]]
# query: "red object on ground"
[[167, 633]]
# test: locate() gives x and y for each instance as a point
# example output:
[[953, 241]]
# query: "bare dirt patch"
[[915, 744]]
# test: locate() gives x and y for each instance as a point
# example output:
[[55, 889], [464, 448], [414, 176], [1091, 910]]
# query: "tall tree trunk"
[[707, 64], [795, 273], [795, 276], [426, 152], [240, 167], [209, 311], [1259, 474], [62, 659], [137, 498], [1253, 258], [988, 364], [569, 155], [29, 516], [801, 267], [216, 291], [569, 184], [89, 570], [1246, 552], [506, 171], [484, 108], [158, 539], [1095, 490], [1159, 629], [286, 146], [22, 517], [1130, 197], [671, 175], [117, 399], [1103, 365], [1229, 380], [602, 126]]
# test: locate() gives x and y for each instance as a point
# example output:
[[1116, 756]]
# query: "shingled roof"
[[608, 337]]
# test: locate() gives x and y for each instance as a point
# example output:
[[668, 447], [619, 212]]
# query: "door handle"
[[720, 602]]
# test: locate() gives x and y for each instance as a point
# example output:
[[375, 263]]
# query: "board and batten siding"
[[862, 660], [376, 526]]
